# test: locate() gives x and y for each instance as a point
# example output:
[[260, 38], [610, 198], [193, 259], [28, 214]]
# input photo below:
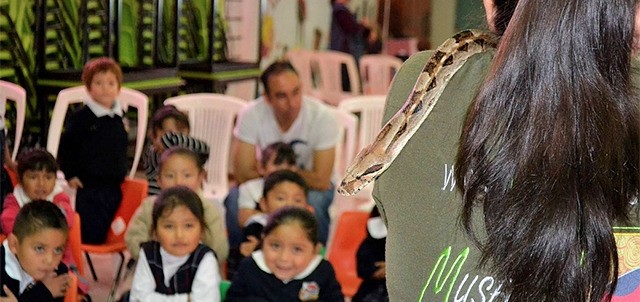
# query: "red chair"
[[133, 192], [350, 231]]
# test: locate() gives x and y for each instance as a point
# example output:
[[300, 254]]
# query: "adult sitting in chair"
[[283, 114]]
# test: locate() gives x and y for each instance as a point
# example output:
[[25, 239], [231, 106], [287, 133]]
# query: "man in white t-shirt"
[[282, 114]]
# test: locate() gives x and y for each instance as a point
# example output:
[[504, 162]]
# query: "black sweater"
[[94, 149]]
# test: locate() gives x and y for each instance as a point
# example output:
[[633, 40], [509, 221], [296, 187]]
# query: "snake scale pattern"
[[374, 159]]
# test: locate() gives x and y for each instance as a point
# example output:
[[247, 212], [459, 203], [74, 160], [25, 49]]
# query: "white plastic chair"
[[212, 117], [304, 62], [370, 109], [330, 69], [13, 92], [346, 147], [377, 72], [128, 97]]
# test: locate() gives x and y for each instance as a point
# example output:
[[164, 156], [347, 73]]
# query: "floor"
[[106, 265]]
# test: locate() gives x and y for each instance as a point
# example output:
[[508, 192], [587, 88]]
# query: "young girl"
[[179, 166], [288, 267], [281, 189], [175, 266], [169, 127]]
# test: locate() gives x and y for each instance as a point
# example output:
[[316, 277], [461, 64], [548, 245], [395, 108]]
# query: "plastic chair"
[[377, 72], [72, 290], [346, 147], [370, 109], [304, 62], [330, 68], [350, 231], [75, 243], [212, 117], [224, 288], [13, 92], [133, 192], [128, 97]]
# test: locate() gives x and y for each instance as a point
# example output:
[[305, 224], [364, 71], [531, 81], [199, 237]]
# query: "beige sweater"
[[215, 237]]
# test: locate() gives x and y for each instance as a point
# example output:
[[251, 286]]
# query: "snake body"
[[374, 159]]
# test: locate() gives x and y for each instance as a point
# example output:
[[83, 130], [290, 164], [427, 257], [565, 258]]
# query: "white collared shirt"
[[13, 268], [258, 257], [101, 111]]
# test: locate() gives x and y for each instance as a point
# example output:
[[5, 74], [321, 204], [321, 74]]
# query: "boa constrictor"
[[374, 159]]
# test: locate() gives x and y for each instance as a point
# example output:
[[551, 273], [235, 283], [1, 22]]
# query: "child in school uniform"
[[175, 265], [93, 150], [36, 180], [169, 127], [288, 267], [281, 189], [276, 156], [179, 166], [31, 255]]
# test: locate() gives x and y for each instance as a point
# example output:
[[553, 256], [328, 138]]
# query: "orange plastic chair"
[[13, 175], [133, 192], [72, 291], [350, 231], [74, 243]]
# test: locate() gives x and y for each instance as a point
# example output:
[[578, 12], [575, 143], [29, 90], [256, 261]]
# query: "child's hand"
[[57, 285], [246, 248], [381, 272], [75, 183], [10, 296]]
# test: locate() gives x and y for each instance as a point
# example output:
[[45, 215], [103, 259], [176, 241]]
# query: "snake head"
[[354, 182]]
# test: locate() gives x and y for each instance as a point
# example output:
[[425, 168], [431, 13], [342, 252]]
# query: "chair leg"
[[93, 271], [116, 280]]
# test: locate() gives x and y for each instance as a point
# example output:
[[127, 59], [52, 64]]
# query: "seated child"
[[179, 166], [277, 156], [37, 180], [176, 263], [93, 150], [31, 256], [281, 188], [288, 267], [371, 262], [169, 127]]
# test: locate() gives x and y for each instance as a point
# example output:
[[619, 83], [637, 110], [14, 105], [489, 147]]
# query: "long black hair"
[[549, 150]]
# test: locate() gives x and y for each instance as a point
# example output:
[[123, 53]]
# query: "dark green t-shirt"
[[428, 254]]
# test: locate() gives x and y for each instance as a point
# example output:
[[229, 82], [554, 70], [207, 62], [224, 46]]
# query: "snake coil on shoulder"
[[374, 159]]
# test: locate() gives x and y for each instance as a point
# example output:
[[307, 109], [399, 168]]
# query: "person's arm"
[[216, 237], [10, 210], [246, 202], [348, 22], [138, 229], [245, 162], [320, 177], [206, 282], [330, 290]]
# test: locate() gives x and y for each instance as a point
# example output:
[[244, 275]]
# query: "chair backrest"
[[212, 117], [370, 109], [75, 241], [377, 72], [134, 190], [128, 97], [303, 61], [350, 231], [13, 92], [346, 147], [330, 68]]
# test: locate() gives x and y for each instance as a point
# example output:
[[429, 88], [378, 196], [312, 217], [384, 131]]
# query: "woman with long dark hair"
[[541, 140]]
